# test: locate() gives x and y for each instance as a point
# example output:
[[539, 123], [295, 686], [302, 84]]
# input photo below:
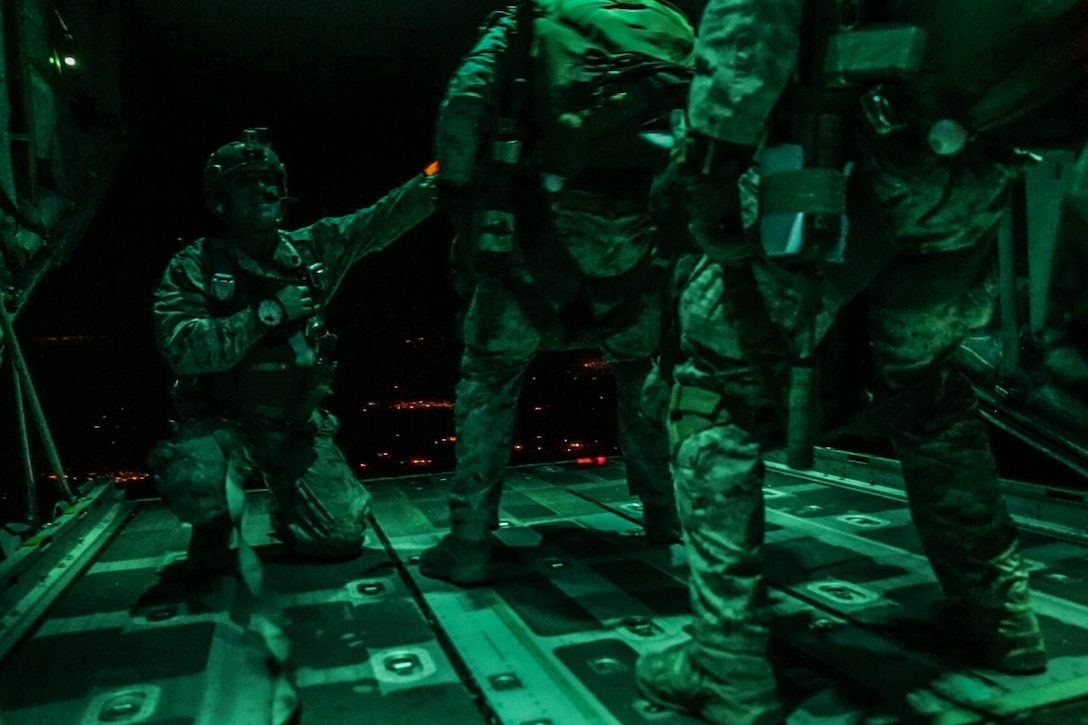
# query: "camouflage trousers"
[[717, 451], [319, 506], [500, 342]]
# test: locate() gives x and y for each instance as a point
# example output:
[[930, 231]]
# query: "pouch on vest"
[[874, 54], [1039, 100]]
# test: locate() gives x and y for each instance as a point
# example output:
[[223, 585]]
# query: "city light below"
[[67, 339], [421, 405]]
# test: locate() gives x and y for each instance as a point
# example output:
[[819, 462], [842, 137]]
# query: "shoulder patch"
[[219, 265], [221, 286]]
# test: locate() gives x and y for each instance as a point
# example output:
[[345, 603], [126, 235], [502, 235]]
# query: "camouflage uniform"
[[248, 396], [608, 234], [500, 342], [919, 246]]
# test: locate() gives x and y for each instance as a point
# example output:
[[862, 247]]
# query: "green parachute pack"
[[604, 75], [558, 98], [565, 85]]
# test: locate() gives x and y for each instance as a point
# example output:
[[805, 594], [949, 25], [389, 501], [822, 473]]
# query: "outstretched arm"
[[342, 241]]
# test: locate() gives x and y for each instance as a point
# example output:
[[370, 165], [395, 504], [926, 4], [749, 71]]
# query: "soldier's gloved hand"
[[296, 300]]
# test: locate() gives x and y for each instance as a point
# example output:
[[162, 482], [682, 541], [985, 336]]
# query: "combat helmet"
[[252, 153]]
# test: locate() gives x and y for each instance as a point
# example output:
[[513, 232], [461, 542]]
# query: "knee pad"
[[191, 469]]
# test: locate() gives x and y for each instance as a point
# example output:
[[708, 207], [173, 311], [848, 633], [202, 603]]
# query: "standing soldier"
[[903, 118], [240, 320], [548, 182]]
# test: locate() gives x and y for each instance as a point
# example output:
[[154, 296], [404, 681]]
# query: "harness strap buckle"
[[879, 110]]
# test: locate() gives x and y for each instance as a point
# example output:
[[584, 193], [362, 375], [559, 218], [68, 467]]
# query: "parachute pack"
[[565, 86], [559, 95], [604, 76]]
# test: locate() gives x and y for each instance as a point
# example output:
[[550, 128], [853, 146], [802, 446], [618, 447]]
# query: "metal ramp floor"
[[95, 633]]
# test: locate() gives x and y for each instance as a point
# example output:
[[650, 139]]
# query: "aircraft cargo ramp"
[[93, 631]]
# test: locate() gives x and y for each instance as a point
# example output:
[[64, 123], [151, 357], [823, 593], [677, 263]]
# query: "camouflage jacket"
[[987, 52], [747, 54], [471, 101], [192, 332]]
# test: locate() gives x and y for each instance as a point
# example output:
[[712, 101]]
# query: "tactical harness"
[[268, 384]]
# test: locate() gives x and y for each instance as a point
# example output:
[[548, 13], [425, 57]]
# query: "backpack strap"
[[496, 224]]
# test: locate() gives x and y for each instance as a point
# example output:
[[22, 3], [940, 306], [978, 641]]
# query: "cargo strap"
[[812, 191], [255, 611]]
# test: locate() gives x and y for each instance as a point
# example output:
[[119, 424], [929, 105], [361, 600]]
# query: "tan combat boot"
[[995, 617]]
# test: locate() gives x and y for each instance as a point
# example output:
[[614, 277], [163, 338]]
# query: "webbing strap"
[[803, 191], [254, 612]]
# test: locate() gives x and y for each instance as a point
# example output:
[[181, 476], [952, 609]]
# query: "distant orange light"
[[431, 169], [421, 404], [584, 461]]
